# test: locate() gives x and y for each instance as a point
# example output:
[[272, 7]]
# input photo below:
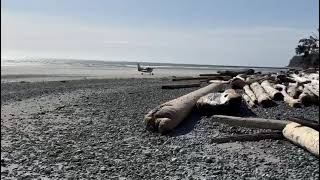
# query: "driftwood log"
[[305, 122], [288, 99], [262, 97], [250, 93], [170, 114], [303, 136], [314, 88], [251, 122], [293, 90], [307, 98], [226, 78], [273, 93], [299, 79], [219, 103], [178, 86], [248, 100]]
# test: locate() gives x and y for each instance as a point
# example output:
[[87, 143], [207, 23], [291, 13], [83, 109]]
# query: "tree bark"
[[170, 114], [303, 136]]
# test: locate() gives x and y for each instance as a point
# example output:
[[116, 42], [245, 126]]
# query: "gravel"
[[93, 129]]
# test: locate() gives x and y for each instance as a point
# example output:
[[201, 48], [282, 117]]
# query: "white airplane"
[[145, 69]]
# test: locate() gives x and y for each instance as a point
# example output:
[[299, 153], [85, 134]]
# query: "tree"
[[308, 46]]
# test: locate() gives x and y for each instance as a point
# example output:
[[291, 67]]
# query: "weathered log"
[[262, 97], [248, 100], [235, 73], [288, 99], [251, 122], [303, 136], [178, 86], [219, 103], [305, 122], [170, 114], [238, 82], [313, 88], [307, 98], [299, 79], [248, 137], [284, 79], [273, 93], [293, 90], [250, 93]]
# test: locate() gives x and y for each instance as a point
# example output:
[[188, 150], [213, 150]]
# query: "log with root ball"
[[262, 97], [168, 115], [303, 136], [219, 103], [273, 93]]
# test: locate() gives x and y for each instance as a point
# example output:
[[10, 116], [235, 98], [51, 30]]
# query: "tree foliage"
[[308, 46]]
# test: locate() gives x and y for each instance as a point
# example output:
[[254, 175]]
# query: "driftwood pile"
[[295, 88]]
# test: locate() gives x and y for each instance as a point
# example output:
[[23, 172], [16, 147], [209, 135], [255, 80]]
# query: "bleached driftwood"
[[170, 114], [293, 90], [250, 93], [248, 100], [313, 88], [262, 97], [307, 98], [288, 99], [299, 79], [251, 122], [217, 103], [273, 93], [303, 136]]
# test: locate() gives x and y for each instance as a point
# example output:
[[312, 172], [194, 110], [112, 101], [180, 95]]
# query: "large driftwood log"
[[307, 98], [303, 136], [170, 114], [262, 97], [282, 78], [293, 90], [273, 93], [219, 103], [288, 99], [235, 73], [299, 79], [251, 122], [314, 88], [248, 100], [178, 86], [248, 137], [250, 93]]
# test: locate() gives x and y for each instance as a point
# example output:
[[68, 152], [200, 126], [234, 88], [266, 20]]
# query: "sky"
[[217, 32]]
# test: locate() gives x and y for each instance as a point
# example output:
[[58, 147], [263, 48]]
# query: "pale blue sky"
[[227, 32]]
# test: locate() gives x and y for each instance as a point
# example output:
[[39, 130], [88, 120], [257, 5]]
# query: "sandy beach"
[[81, 129]]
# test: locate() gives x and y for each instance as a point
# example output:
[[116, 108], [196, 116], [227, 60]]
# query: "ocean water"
[[64, 69]]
